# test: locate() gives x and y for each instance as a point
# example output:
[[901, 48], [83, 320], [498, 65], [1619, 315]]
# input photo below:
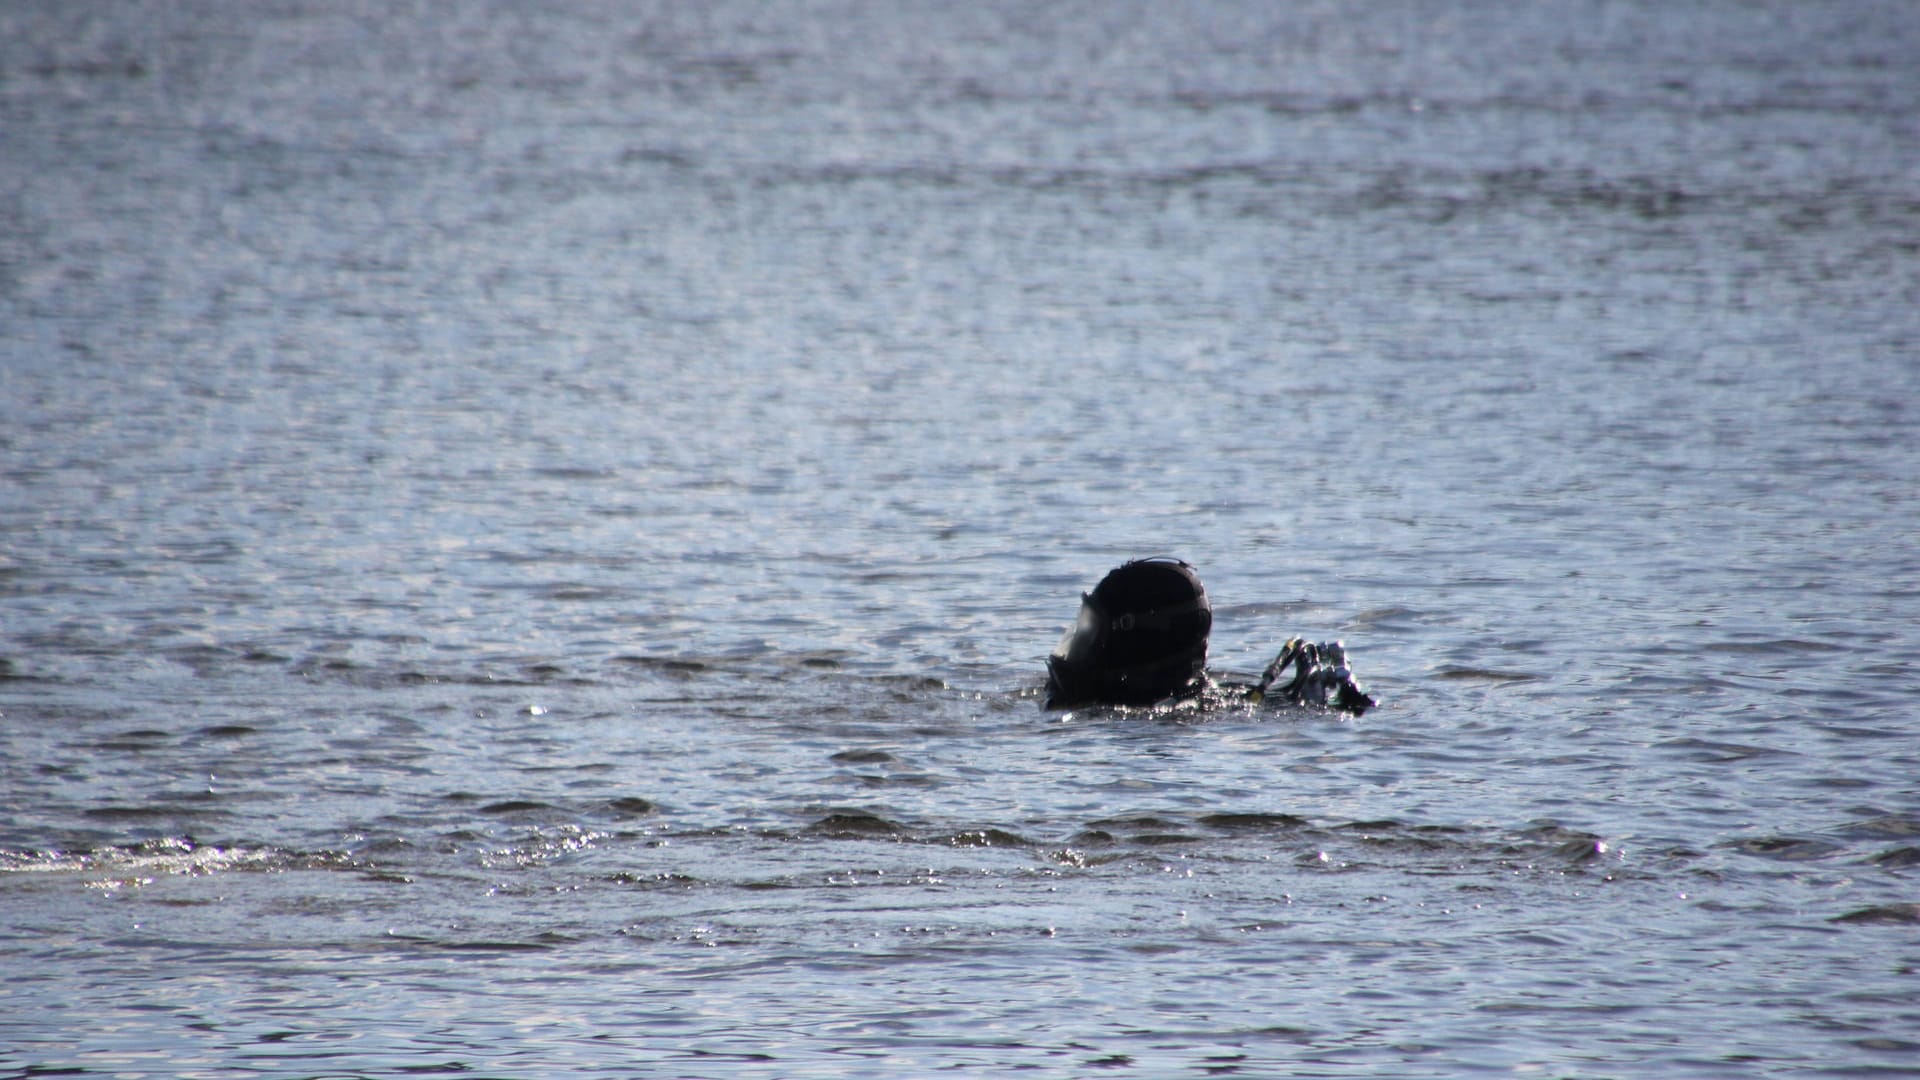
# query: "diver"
[[1141, 639]]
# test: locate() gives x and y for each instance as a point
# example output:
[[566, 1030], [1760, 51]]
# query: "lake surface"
[[529, 535]]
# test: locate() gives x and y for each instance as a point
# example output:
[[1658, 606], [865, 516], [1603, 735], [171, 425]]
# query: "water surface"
[[528, 537]]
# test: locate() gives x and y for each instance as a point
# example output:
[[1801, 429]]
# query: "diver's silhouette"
[[1141, 638]]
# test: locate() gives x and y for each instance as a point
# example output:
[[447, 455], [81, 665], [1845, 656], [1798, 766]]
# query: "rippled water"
[[528, 536]]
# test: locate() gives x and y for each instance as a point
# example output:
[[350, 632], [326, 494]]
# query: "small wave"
[[1884, 828], [631, 806], [174, 855], [1900, 914], [1455, 673], [1253, 822], [621, 806], [1776, 647], [854, 823], [516, 806], [11, 672], [171, 813], [988, 838], [669, 665], [538, 943], [1784, 848], [1717, 751]]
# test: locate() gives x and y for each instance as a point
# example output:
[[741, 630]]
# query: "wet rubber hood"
[[1140, 636]]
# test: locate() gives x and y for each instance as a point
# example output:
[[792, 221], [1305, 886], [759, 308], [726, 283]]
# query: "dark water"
[[528, 535]]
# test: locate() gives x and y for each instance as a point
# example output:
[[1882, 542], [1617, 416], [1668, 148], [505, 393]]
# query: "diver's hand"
[[1321, 677]]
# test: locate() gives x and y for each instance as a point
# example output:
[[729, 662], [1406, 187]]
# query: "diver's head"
[[1141, 636]]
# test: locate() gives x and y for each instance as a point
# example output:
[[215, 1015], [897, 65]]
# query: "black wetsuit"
[[1141, 639]]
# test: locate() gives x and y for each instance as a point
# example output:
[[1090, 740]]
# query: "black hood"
[[1141, 636]]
